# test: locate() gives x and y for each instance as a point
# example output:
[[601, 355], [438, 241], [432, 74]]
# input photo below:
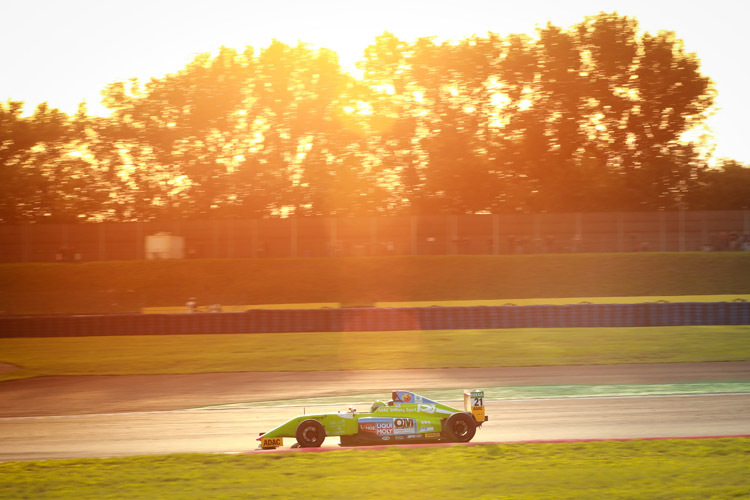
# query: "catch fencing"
[[478, 234], [382, 319]]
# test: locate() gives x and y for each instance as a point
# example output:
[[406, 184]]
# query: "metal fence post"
[[332, 227], [495, 234], [293, 235], [373, 236], [139, 251], [214, 239], [102, 240], [28, 238], [451, 245], [681, 221], [254, 238], [230, 239], [662, 231], [413, 223], [65, 236]]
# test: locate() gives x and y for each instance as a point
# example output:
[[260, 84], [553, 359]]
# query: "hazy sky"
[[65, 51]]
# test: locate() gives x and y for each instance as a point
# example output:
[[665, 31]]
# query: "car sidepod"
[[401, 423], [397, 429]]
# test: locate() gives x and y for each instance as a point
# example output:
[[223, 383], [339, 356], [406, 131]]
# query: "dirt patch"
[[42, 396], [6, 367]]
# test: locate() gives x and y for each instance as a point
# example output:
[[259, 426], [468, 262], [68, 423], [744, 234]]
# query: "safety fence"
[[476, 234], [385, 319]]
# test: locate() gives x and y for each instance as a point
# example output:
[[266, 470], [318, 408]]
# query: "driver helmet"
[[376, 405]]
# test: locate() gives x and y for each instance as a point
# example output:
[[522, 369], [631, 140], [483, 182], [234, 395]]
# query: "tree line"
[[595, 117]]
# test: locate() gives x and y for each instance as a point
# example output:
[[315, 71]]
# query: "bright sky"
[[66, 51]]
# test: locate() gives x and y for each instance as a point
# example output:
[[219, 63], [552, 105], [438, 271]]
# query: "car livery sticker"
[[376, 426], [400, 397], [384, 426], [404, 426]]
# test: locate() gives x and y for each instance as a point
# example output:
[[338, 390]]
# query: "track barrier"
[[381, 319]]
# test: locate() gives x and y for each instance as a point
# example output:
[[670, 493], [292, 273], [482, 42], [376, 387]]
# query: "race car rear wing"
[[474, 404]]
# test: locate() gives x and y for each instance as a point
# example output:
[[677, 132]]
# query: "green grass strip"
[[517, 392], [176, 309], [659, 469], [559, 301], [127, 286], [372, 350]]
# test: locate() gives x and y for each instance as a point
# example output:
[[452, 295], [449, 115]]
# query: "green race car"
[[407, 418]]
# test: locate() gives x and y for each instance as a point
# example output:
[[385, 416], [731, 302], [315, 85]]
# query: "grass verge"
[[559, 301], [663, 469], [372, 350], [466, 303], [127, 286]]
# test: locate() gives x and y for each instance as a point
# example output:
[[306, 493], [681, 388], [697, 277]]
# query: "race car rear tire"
[[460, 427], [310, 434]]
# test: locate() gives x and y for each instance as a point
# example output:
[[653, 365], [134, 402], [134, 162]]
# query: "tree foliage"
[[724, 188], [595, 117]]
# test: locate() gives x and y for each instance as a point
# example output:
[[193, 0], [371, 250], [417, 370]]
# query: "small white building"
[[165, 246]]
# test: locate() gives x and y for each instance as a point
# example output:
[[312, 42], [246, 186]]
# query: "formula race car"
[[407, 418]]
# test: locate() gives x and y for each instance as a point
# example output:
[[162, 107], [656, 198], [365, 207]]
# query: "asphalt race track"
[[234, 431], [43, 419]]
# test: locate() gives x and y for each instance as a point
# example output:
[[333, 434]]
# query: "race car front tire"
[[460, 427], [310, 434]]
